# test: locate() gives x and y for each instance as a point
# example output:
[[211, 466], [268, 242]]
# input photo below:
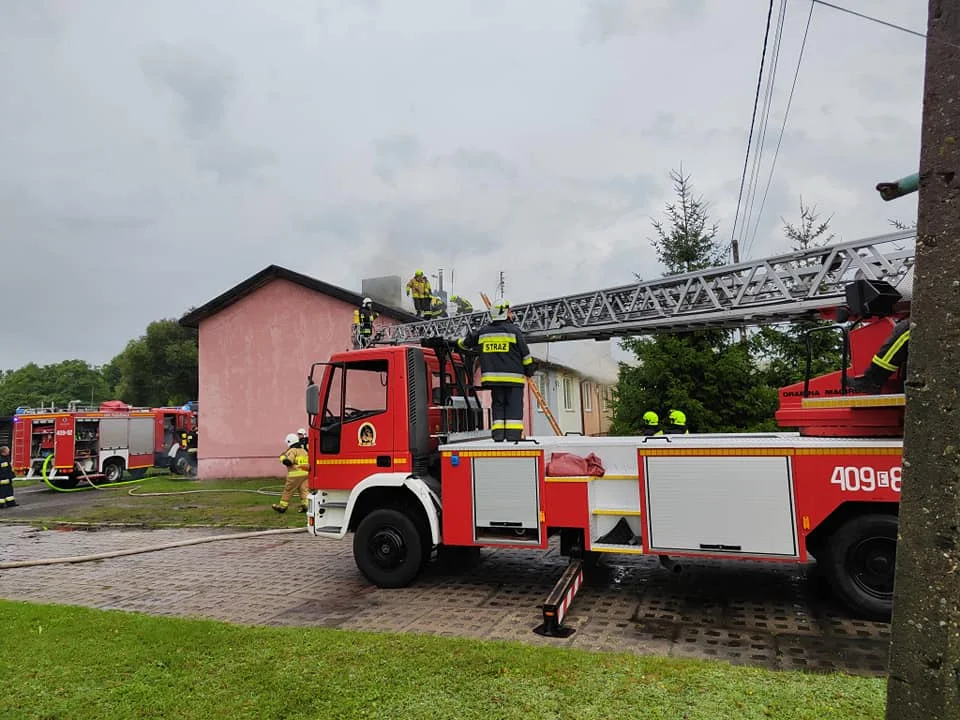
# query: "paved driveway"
[[745, 613]]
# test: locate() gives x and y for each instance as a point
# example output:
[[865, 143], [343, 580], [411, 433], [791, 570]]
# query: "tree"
[[785, 350], [58, 384], [713, 379], [159, 368]]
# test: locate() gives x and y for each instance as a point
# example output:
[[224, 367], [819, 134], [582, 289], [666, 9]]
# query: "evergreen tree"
[[785, 349], [704, 373]]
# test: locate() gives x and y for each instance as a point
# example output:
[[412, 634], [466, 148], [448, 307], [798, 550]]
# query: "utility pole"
[[924, 675]]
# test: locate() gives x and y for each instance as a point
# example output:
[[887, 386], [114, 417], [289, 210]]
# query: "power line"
[[756, 101], [870, 18], [783, 125], [755, 173]]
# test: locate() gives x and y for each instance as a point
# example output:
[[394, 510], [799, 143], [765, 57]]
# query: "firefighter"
[[891, 356], [296, 460], [6, 479], [363, 318], [436, 309], [302, 441], [651, 423], [419, 286], [677, 423], [463, 305], [505, 365]]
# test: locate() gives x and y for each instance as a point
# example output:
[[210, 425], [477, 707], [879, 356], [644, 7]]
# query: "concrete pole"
[[924, 680]]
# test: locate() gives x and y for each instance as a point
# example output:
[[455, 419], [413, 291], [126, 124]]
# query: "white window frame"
[[566, 383], [586, 390]]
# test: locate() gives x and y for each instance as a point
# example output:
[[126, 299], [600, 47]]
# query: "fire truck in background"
[[96, 445], [400, 453]]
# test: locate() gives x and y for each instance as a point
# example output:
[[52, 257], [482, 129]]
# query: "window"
[[567, 393], [587, 391], [363, 395]]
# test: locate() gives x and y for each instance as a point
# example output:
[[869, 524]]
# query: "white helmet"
[[301, 431], [292, 439], [367, 301], [500, 309]]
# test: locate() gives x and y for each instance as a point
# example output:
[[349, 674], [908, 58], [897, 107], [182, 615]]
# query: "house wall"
[[596, 411], [254, 358], [569, 420]]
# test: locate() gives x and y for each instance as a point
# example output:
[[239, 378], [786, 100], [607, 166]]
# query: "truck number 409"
[[865, 479]]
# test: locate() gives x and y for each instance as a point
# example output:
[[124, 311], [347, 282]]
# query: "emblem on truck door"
[[367, 435]]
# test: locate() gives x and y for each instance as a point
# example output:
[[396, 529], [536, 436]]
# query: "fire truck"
[[401, 456], [95, 445]]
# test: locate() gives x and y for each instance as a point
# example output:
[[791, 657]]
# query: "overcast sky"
[[156, 153]]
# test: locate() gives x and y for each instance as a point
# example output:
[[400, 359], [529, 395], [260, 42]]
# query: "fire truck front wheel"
[[860, 559], [388, 548]]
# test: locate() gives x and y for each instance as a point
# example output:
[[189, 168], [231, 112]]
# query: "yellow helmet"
[[419, 273], [677, 418], [651, 418]]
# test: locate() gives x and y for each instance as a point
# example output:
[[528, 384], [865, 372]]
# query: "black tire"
[[859, 561], [66, 483], [112, 471], [138, 474], [388, 548]]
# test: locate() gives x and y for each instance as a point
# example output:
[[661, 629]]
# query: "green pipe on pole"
[[899, 188]]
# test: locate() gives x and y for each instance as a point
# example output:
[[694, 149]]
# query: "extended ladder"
[[778, 289]]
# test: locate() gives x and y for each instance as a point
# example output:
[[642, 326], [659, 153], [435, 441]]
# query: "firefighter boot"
[[280, 507], [870, 382], [302, 508]]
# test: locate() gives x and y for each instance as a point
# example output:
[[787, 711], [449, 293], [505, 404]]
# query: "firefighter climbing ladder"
[[544, 407], [784, 288]]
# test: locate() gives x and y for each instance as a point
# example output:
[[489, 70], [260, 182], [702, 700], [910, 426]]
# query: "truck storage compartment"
[[506, 499], [736, 505]]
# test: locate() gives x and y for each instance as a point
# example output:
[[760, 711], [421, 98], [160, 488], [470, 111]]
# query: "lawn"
[[236, 502], [74, 663]]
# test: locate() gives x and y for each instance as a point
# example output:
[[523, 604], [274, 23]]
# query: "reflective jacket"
[[297, 461], [419, 286], [364, 318], [505, 359], [463, 306]]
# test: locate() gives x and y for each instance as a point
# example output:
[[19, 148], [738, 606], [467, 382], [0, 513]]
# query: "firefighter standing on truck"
[[891, 356], [296, 459], [651, 423], [505, 365], [419, 286], [6, 479]]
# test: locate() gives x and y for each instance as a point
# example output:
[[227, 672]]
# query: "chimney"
[[387, 289]]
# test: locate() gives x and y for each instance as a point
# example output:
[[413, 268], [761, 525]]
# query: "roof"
[[276, 272]]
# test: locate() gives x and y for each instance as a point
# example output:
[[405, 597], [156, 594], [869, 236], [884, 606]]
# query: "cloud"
[[160, 153]]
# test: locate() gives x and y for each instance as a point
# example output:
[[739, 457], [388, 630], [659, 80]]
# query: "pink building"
[[257, 341]]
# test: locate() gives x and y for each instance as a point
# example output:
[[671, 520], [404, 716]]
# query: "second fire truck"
[[400, 454], [96, 445]]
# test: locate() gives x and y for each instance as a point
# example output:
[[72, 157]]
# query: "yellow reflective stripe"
[[513, 425], [460, 343], [503, 377], [4, 482], [497, 425], [527, 360], [297, 473], [885, 360], [498, 337]]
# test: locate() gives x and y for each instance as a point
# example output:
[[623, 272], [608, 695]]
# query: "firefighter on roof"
[[505, 365], [363, 318], [419, 286], [463, 305], [651, 423], [436, 310], [677, 423], [296, 459], [6, 479]]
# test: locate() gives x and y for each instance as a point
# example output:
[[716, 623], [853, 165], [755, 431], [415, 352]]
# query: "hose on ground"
[[259, 491], [152, 548]]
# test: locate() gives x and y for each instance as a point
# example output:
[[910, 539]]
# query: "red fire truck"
[[96, 445], [400, 453]]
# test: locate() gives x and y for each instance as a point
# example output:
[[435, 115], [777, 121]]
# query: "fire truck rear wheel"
[[388, 548], [112, 471], [859, 562]]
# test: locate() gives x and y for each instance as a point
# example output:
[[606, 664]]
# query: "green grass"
[[214, 509], [73, 663]]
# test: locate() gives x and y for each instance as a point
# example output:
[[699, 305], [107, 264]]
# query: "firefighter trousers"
[[507, 413], [295, 482], [6, 493]]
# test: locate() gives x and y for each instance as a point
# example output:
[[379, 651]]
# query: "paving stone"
[[746, 613]]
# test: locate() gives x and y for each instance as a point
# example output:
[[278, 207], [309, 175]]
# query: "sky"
[[154, 154]]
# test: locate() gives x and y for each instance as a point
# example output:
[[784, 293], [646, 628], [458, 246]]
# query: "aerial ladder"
[[800, 285]]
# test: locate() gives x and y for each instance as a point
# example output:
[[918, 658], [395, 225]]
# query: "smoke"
[[589, 358]]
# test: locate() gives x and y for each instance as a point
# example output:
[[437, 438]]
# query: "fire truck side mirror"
[[313, 399]]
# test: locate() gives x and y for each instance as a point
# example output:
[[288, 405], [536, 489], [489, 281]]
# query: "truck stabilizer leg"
[[559, 601]]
